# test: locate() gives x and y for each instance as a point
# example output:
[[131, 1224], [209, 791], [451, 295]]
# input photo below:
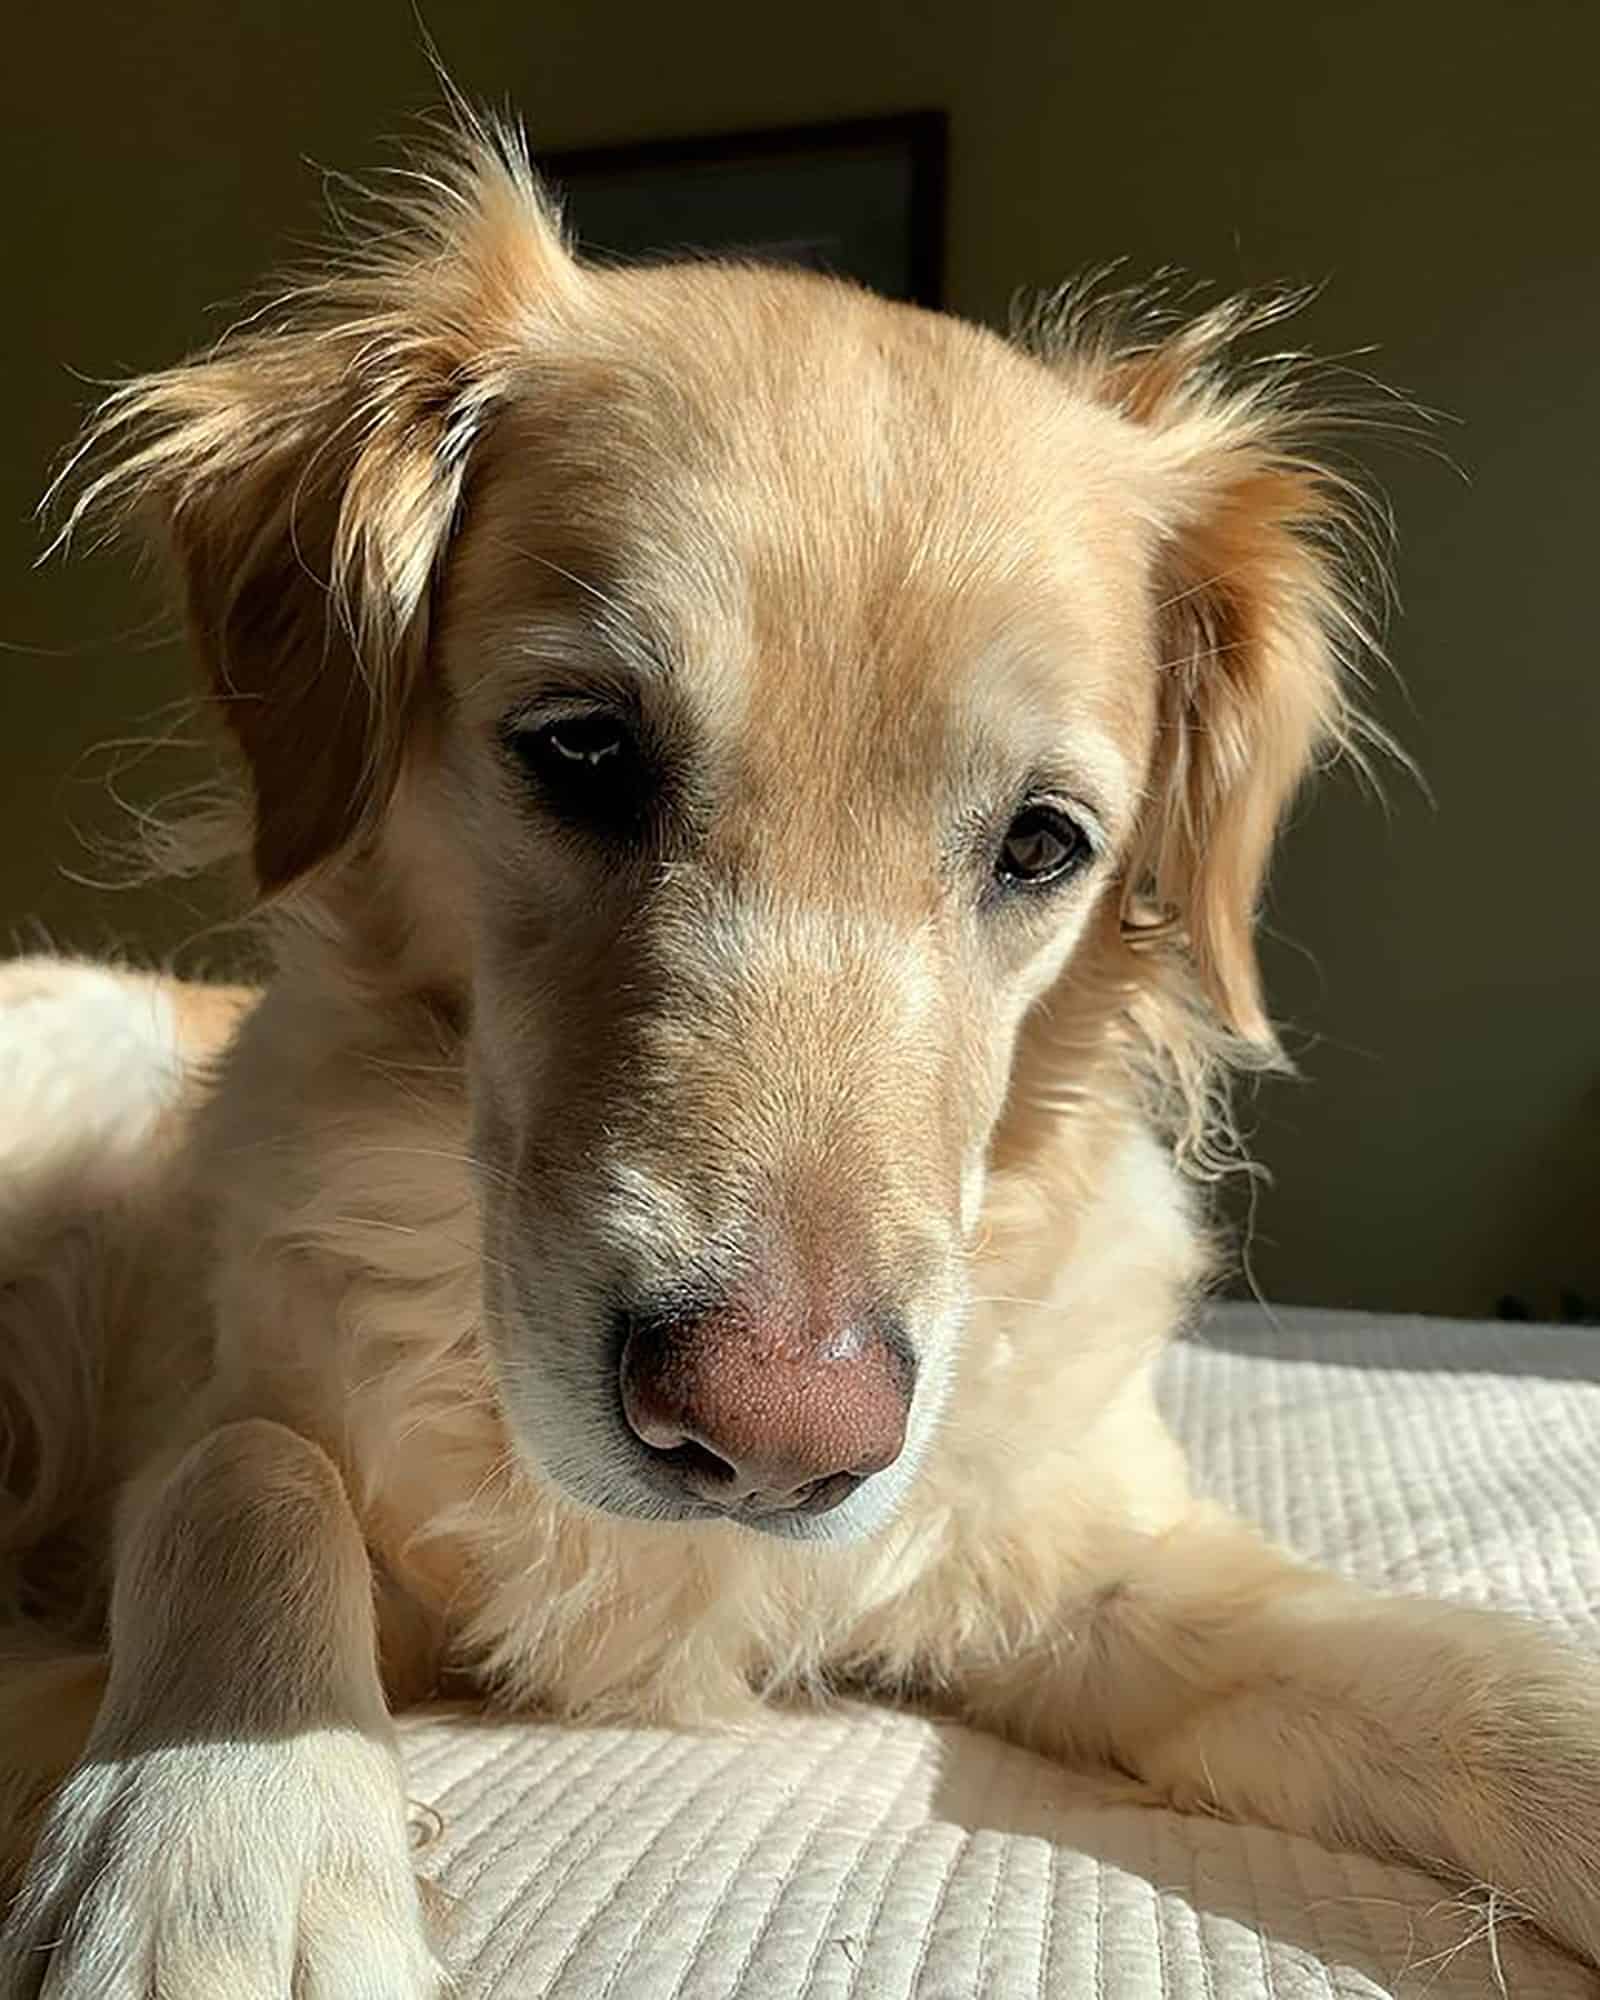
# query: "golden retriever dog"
[[758, 798]]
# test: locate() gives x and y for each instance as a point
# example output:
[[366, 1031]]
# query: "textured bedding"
[[882, 1857]]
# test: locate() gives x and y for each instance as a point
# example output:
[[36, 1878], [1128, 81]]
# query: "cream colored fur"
[[302, 1368]]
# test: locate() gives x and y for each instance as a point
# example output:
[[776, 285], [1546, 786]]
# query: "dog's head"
[[774, 703]]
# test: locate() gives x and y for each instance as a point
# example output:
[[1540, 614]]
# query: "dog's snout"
[[759, 1415]]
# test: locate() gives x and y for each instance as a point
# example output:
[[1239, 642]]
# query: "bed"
[[862, 1855]]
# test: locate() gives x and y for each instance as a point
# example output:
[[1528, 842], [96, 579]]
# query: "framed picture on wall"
[[863, 199]]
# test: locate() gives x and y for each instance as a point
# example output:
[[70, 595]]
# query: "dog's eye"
[[1041, 845], [587, 739], [587, 767]]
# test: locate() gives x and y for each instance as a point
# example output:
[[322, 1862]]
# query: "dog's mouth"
[[713, 1485], [696, 1406], [584, 1442]]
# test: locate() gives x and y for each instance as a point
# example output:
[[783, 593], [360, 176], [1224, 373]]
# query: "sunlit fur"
[[349, 1266]]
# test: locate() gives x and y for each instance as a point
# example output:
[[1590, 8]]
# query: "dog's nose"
[[763, 1415]]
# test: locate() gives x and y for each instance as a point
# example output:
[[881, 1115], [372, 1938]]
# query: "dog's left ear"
[[1260, 579], [305, 475]]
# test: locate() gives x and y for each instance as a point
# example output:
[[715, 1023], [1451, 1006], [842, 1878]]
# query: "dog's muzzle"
[[765, 1414]]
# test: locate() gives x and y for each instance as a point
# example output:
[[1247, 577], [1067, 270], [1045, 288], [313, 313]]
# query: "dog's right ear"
[[306, 473]]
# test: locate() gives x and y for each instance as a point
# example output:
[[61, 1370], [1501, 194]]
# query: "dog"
[[758, 798]]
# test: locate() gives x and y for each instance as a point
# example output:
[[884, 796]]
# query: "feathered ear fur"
[[306, 471], [1268, 555]]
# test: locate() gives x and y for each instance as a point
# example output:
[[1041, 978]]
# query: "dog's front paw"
[[255, 1871]]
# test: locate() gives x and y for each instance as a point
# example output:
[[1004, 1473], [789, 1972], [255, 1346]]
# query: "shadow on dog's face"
[[771, 705], [799, 710]]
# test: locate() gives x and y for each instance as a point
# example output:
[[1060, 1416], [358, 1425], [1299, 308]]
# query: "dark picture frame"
[[863, 198]]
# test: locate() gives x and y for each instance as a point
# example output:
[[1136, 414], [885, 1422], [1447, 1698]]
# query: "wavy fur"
[[860, 582]]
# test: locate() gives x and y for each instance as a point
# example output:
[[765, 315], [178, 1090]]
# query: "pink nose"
[[765, 1415]]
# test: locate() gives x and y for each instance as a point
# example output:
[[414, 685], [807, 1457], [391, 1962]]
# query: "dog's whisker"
[[1008, 1299], [495, 1176]]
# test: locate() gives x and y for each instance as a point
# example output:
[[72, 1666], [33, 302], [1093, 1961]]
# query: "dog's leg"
[[237, 1821], [1230, 1679]]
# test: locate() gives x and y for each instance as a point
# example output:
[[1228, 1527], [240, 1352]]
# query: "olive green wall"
[[1436, 164]]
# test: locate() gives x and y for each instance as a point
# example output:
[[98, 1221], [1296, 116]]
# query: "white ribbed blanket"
[[868, 1856]]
